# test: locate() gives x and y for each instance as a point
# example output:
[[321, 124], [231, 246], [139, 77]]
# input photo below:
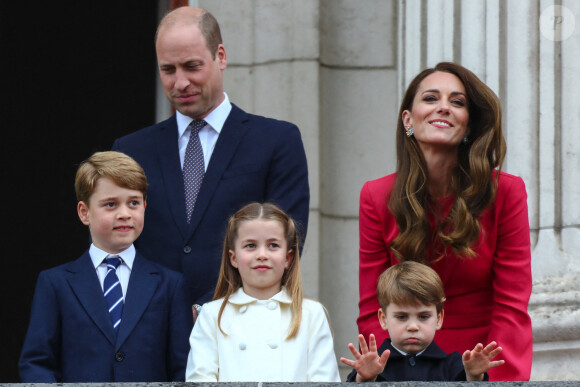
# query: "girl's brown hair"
[[230, 281], [472, 186]]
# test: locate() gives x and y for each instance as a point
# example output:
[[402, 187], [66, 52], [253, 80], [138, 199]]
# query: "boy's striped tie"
[[113, 291]]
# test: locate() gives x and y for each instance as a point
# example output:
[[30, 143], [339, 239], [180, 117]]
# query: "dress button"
[[272, 345], [412, 361], [187, 249], [272, 305], [242, 346], [119, 357], [243, 308]]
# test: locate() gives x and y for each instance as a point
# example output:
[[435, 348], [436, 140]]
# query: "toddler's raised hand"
[[368, 364], [479, 360]]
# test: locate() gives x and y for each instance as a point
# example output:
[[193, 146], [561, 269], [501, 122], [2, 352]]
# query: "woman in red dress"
[[450, 207]]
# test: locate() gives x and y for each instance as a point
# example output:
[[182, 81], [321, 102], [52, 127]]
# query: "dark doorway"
[[74, 76]]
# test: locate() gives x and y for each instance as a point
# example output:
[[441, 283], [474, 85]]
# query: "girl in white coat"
[[259, 328]]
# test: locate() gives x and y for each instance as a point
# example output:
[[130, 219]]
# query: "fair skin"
[[261, 255], [439, 118], [412, 328], [191, 78], [114, 215]]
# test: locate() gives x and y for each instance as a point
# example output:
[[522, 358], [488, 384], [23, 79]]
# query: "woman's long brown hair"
[[471, 183]]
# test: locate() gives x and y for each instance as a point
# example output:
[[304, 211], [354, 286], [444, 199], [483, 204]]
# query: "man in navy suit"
[[247, 158], [94, 321]]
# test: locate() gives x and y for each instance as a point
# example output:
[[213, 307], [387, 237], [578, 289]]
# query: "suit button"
[[187, 249], [119, 356]]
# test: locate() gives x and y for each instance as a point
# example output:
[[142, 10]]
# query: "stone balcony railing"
[[568, 383]]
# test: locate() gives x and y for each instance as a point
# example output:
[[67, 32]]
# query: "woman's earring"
[[465, 139], [409, 131]]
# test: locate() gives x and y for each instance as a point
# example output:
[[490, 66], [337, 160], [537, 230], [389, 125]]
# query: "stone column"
[[555, 304], [357, 116]]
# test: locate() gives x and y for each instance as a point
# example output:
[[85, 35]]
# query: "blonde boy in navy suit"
[[72, 336]]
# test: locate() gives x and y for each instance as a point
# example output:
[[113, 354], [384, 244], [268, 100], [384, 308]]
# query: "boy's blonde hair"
[[230, 281], [410, 283], [122, 169]]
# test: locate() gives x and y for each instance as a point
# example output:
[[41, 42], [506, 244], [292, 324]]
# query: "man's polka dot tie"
[[193, 167]]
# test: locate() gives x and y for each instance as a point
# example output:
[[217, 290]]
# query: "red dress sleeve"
[[511, 325], [374, 253]]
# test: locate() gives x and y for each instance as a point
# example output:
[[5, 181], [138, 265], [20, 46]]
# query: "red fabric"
[[487, 296]]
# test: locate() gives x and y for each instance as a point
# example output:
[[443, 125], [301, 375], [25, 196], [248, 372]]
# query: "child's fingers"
[[372, 343], [495, 352], [478, 347], [466, 355], [490, 350], [490, 346], [496, 363], [384, 357], [348, 362], [363, 344], [354, 351]]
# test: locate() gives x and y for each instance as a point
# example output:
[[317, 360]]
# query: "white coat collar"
[[241, 298]]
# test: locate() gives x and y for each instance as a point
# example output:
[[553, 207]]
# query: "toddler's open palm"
[[368, 364]]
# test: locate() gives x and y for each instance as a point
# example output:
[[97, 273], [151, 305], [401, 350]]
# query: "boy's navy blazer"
[[255, 159], [71, 338]]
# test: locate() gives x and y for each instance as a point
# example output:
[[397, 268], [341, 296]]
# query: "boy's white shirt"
[[255, 348], [123, 271]]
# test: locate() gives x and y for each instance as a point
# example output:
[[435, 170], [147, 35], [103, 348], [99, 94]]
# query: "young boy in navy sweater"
[[111, 315], [411, 297]]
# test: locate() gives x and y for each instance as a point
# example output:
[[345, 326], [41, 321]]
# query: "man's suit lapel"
[[143, 284], [170, 165], [232, 133], [85, 284]]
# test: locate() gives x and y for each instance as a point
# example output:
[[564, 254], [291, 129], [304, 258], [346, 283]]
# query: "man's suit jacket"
[[255, 159], [71, 336]]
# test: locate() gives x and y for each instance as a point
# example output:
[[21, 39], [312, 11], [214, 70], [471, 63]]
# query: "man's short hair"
[[205, 21]]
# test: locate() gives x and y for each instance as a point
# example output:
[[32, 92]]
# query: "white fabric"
[[124, 269], [208, 135], [255, 349]]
